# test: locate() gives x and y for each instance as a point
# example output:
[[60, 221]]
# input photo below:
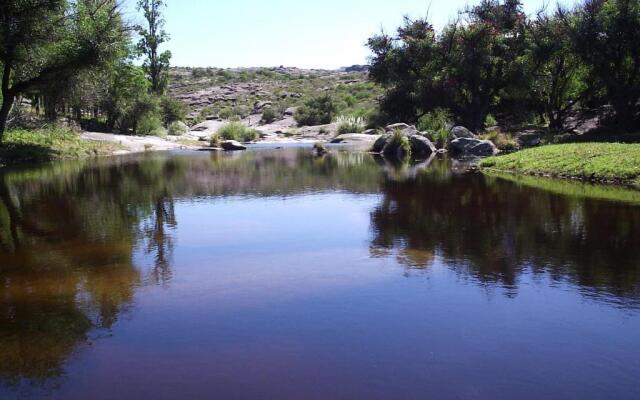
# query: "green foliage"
[[53, 142], [437, 124], [350, 124], [495, 61], [605, 36], [316, 111], [268, 115], [47, 43], [156, 65], [237, 131], [398, 146], [172, 110], [591, 161], [177, 128]]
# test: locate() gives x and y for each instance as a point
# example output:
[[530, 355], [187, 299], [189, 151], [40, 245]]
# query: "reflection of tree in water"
[[492, 231], [68, 233]]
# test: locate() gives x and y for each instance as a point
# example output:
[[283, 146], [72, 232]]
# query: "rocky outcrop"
[[232, 145], [405, 128], [395, 145], [472, 147], [353, 137], [458, 132], [421, 146]]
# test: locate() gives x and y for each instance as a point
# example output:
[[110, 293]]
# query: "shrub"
[[316, 111], [178, 128], [435, 120], [503, 141], [215, 140], [150, 124], [172, 110], [398, 146], [268, 115], [350, 124], [237, 131]]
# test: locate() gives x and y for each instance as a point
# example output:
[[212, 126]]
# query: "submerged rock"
[[421, 146], [471, 147], [231, 145]]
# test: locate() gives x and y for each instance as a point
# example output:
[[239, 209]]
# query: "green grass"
[[237, 131], [604, 162], [27, 145]]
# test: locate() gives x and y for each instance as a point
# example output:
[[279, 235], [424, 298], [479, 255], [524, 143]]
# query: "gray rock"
[[260, 105], [290, 111], [471, 147], [379, 144], [353, 137], [370, 132], [231, 145], [458, 132], [421, 146], [394, 127]]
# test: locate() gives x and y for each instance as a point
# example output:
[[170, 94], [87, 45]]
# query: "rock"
[[353, 137], [530, 138], [379, 144], [395, 127], [370, 132], [458, 132], [421, 146], [290, 111], [260, 105], [231, 145], [471, 147]]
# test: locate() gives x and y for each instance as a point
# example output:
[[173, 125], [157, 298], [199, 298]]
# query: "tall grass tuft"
[[237, 131], [350, 124]]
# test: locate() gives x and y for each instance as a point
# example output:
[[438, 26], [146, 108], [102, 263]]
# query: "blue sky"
[[300, 33]]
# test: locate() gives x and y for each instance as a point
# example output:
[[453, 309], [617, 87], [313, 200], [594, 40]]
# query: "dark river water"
[[272, 274]]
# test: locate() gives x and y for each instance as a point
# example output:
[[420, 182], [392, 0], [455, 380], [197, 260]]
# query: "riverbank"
[[597, 162]]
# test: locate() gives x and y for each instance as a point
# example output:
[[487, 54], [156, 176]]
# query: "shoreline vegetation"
[[612, 163]]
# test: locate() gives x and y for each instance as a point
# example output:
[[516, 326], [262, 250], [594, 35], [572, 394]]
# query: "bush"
[[316, 111], [268, 115], [398, 146], [172, 110], [237, 131], [350, 124], [178, 128], [150, 124], [438, 124]]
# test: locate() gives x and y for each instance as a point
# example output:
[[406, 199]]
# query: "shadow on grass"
[[12, 153]]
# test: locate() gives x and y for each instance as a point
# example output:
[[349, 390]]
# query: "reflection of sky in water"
[[315, 293]]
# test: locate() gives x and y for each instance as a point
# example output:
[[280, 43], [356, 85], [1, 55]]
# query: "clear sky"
[[297, 33]]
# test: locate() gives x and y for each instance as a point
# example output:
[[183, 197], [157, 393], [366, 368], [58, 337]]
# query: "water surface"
[[274, 274]]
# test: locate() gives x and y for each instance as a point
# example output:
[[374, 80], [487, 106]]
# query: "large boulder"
[[353, 137], [421, 146], [458, 132], [379, 144], [406, 129], [471, 147], [232, 145]]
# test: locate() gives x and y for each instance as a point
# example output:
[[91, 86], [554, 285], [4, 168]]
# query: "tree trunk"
[[7, 102]]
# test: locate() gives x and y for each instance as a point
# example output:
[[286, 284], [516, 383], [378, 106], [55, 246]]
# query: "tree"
[[606, 36], [556, 79], [48, 41], [156, 65]]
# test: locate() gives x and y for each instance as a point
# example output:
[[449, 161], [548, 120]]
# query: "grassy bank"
[[603, 162], [25, 145]]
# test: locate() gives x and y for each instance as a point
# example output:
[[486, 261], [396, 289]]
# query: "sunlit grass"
[[607, 162]]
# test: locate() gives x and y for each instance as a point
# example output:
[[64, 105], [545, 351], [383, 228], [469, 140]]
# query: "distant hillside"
[[237, 93]]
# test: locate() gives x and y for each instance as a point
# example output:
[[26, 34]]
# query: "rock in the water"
[[458, 132], [395, 127], [379, 144], [231, 145], [472, 147], [353, 137], [421, 146]]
